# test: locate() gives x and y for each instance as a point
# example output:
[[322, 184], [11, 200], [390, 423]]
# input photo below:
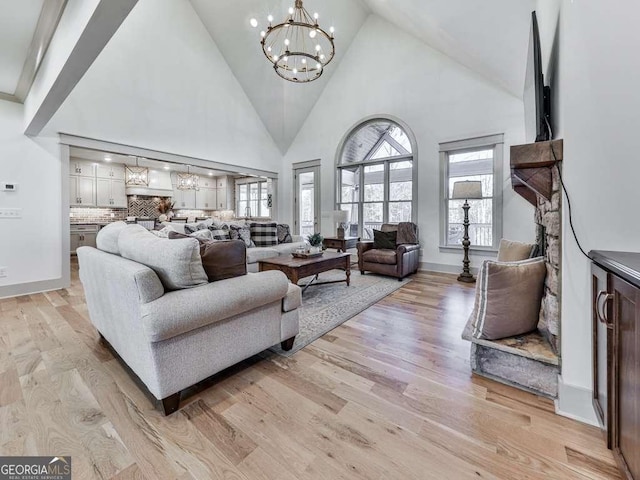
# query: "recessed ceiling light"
[[211, 174], [107, 158], [167, 167]]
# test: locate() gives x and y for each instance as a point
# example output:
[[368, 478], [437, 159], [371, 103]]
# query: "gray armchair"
[[399, 263]]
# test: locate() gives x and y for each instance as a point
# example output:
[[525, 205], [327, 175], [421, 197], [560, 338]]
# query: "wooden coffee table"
[[298, 268]]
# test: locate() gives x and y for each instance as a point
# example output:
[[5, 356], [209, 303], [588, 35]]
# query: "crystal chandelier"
[[298, 48], [136, 175], [188, 181]]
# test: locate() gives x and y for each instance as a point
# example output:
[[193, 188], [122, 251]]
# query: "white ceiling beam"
[[46, 27], [103, 23]]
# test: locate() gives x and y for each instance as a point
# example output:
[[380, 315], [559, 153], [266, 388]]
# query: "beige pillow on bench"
[[508, 298], [510, 251]]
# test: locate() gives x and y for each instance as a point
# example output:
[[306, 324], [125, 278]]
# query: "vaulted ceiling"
[[17, 23], [489, 37], [283, 106]]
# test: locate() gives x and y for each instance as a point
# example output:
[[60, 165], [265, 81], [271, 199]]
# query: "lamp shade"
[[341, 216], [467, 190]]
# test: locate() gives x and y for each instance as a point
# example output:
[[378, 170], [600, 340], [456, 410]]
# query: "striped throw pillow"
[[220, 232], [264, 234], [508, 298]]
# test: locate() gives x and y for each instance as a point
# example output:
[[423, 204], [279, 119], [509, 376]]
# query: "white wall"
[[30, 246], [161, 83], [387, 71], [596, 87]]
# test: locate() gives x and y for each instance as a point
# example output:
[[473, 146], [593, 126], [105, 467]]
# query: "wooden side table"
[[341, 244]]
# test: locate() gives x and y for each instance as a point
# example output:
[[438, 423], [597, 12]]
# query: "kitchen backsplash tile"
[[139, 206], [97, 215]]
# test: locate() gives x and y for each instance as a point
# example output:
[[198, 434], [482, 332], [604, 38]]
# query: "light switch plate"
[[10, 213]]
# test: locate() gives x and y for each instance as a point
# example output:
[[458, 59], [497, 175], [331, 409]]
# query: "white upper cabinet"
[[82, 191], [82, 168], [206, 198], [110, 193], [112, 171]]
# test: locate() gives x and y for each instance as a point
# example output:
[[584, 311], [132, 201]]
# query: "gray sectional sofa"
[[166, 322], [254, 254]]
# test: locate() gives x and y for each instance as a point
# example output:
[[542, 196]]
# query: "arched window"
[[376, 176]]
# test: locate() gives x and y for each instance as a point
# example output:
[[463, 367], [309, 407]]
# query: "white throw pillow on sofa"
[[107, 238], [176, 262]]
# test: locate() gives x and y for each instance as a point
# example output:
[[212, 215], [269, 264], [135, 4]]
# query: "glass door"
[[307, 200]]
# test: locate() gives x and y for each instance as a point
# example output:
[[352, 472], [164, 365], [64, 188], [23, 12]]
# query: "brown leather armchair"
[[399, 263]]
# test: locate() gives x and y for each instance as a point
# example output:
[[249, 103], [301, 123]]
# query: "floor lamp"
[[466, 190]]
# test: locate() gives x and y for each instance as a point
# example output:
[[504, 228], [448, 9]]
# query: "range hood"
[[159, 185]]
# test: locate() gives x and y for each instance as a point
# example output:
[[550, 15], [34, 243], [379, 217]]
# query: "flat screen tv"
[[536, 96]]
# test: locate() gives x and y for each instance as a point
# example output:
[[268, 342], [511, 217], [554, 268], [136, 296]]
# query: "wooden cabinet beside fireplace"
[[616, 354]]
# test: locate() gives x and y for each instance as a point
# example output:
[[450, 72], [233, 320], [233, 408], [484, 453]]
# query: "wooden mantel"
[[531, 166]]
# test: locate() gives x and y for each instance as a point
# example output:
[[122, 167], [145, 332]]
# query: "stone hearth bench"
[[526, 361]]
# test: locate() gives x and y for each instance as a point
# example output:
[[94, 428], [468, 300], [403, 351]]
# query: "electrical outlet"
[[3, 272]]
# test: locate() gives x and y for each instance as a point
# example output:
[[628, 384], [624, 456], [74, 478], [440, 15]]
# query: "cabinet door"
[[207, 182], [117, 172], [103, 192], [82, 168], [118, 194], [87, 191], [74, 198], [74, 242], [189, 198], [221, 201], [212, 198], [601, 346], [206, 199], [89, 239], [104, 170], [201, 198], [626, 368]]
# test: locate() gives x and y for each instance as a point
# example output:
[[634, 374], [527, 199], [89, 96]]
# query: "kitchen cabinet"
[[82, 235], [82, 191], [602, 346], [223, 193], [108, 170], [184, 199], [206, 198], [110, 193], [82, 168], [617, 306]]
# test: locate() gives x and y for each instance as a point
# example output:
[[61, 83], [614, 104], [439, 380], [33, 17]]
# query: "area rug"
[[324, 307]]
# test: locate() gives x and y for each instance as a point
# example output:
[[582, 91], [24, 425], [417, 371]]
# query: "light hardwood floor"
[[387, 395]]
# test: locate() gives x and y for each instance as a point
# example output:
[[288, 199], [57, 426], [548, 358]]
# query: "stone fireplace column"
[[534, 175]]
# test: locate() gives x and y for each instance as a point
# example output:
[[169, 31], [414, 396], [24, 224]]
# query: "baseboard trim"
[[575, 403], [28, 288], [443, 268]]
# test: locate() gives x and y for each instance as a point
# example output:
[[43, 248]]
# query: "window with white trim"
[[376, 177], [474, 159], [252, 198]]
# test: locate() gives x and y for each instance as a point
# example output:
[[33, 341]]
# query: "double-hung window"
[[473, 159], [252, 198]]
